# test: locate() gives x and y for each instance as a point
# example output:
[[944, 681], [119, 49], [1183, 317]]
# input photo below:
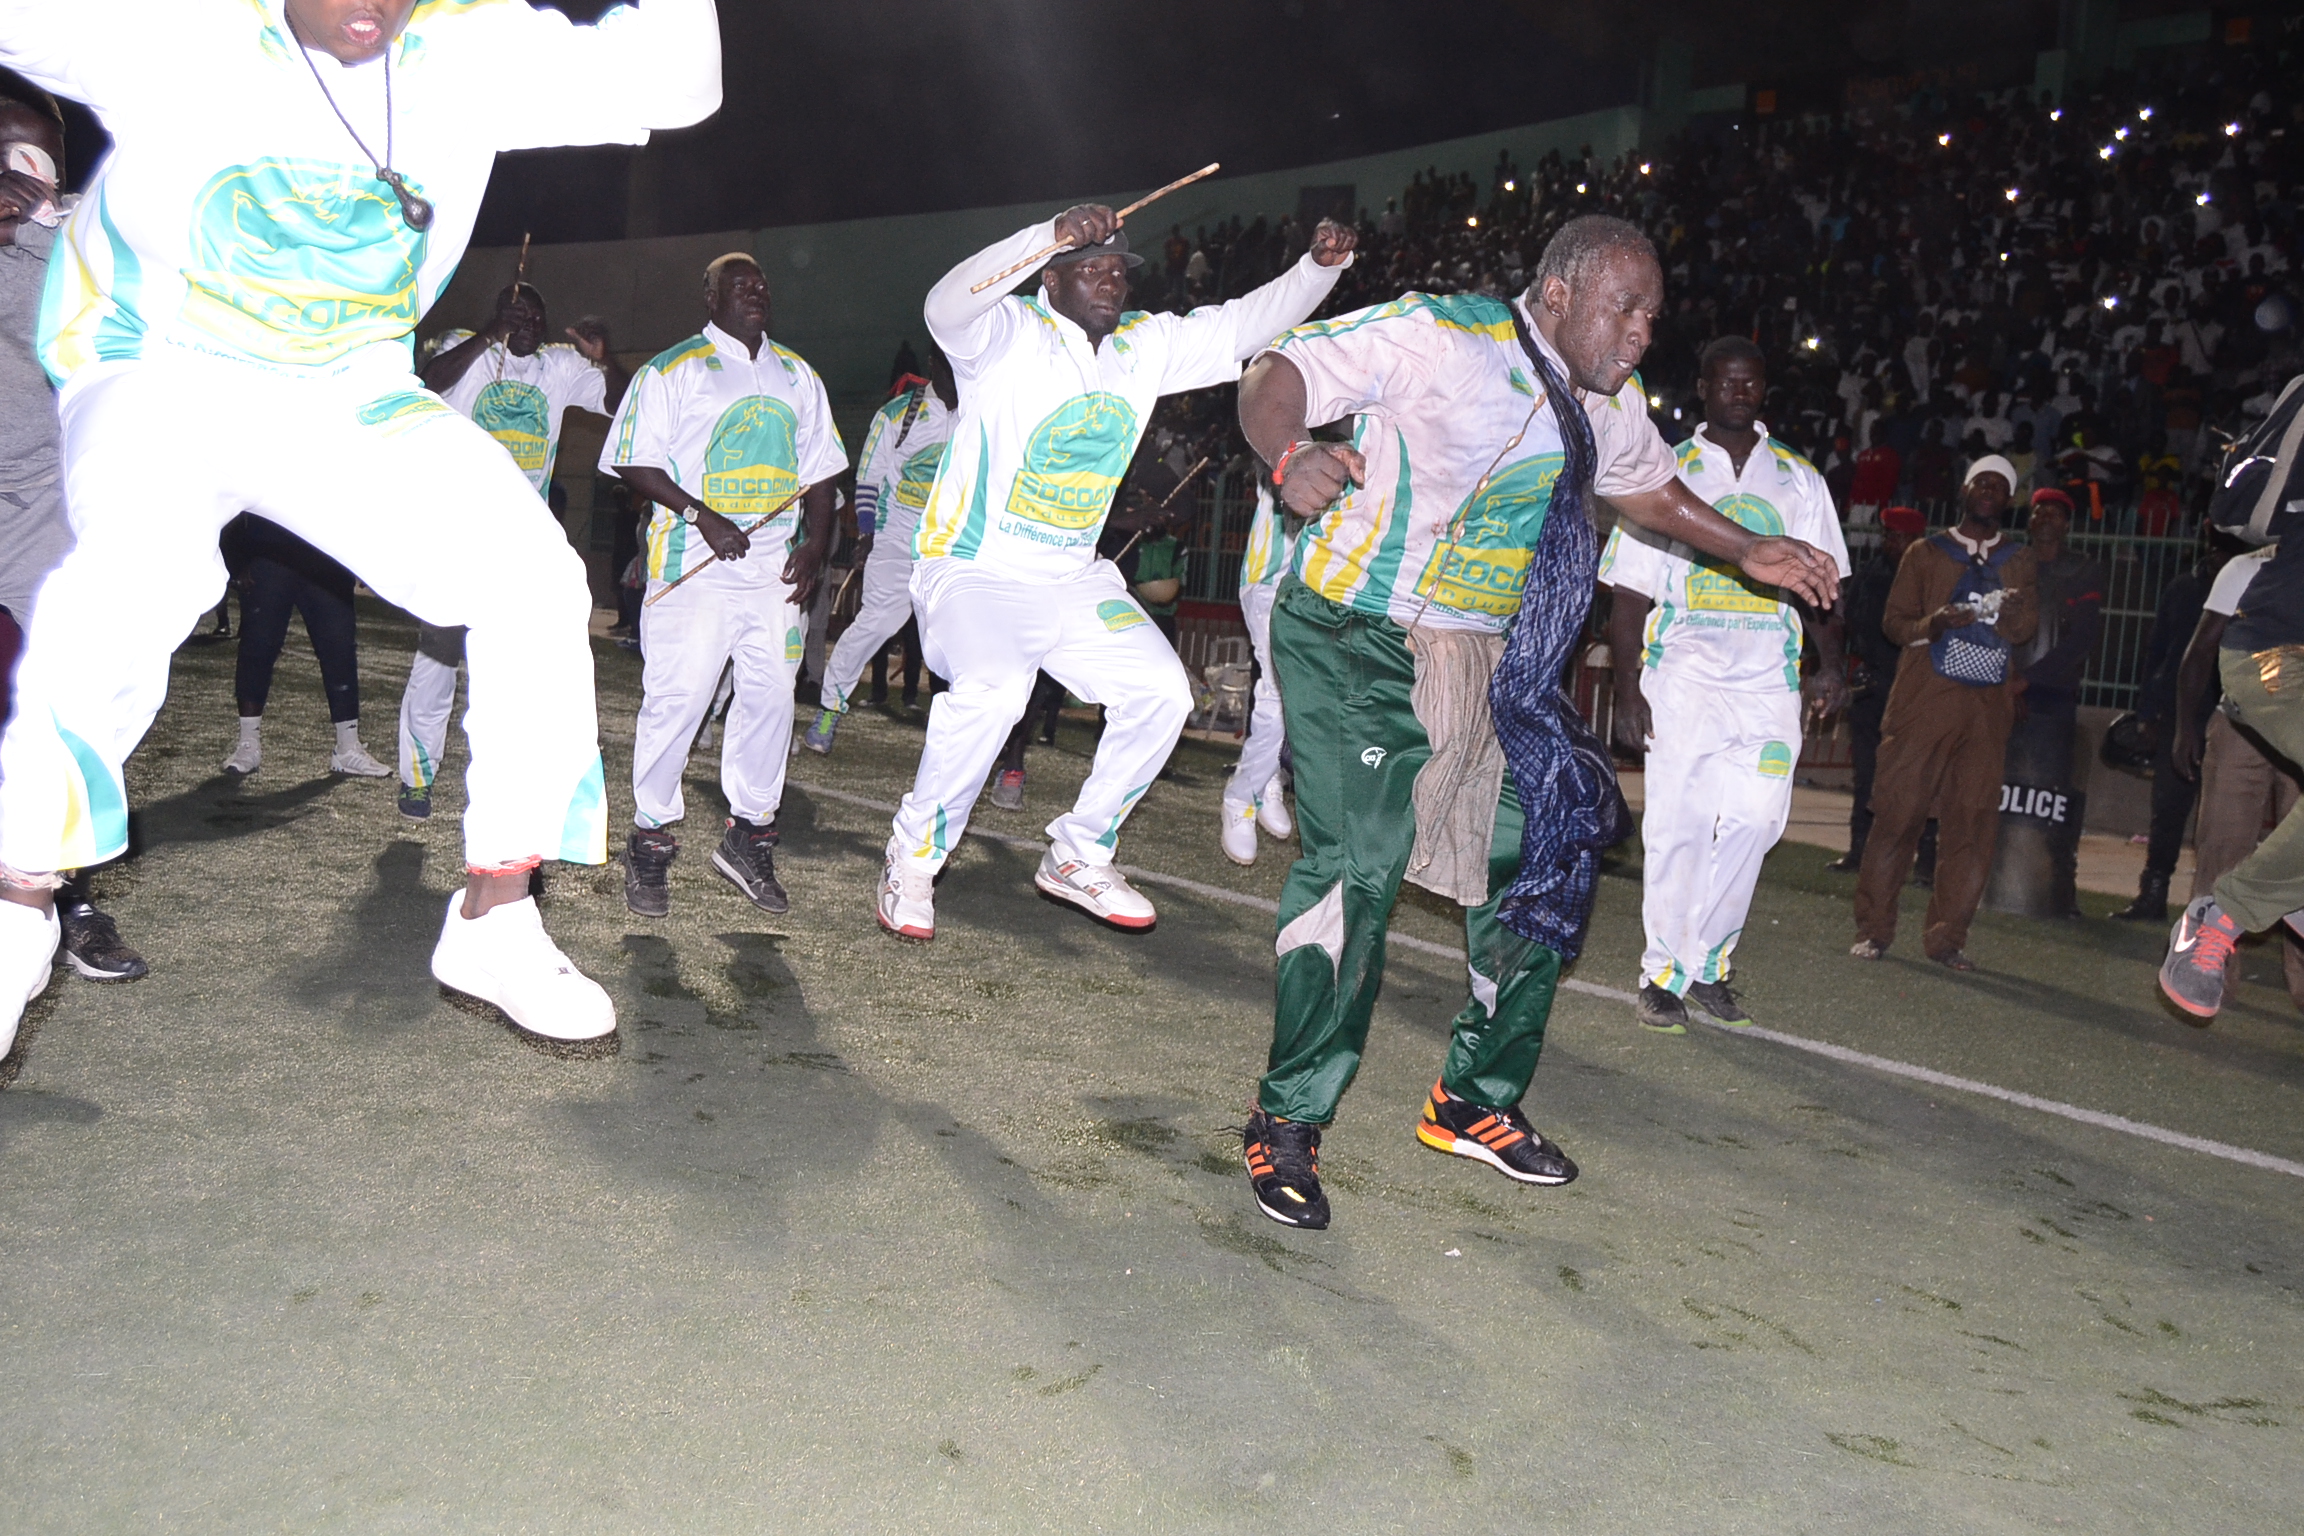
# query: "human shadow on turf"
[[375, 968], [217, 809]]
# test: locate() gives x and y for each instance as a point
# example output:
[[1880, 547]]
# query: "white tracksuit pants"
[[733, 610], [991, 635], [427, 702], [886, 604], [159, 454], [1719, 789], [1260, 753]]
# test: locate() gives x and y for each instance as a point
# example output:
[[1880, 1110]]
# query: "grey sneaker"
[[1717, 1001], [1659, 1010], [1008, 789], [648, 860], [819, 737], [747, 857], [2199, 947]]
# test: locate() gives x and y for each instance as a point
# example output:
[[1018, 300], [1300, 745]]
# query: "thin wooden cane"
[[1061, 246], [759, 522]]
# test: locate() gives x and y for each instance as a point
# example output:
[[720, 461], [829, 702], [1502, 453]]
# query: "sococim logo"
[[918, 476], [301, 261], [752, 464], [1485, 570], [1374, 757], [1716, 588], [1074, 462], [516, 415]]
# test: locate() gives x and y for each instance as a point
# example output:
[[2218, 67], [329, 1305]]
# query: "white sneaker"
[[355, 760], [907, 897], [1096, 889], [1240, 833], [1272, 811], [28, 939], [505, 957], [246, 758]]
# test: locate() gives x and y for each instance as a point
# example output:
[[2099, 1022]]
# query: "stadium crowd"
[[2092, 290]]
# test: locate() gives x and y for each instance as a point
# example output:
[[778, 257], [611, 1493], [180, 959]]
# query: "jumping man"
[[1056, 390], [229, 313]]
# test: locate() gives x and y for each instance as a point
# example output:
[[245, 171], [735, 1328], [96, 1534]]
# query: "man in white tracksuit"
[[902, 452], [519, 392], [1708, 683], [1056, 390], [1253, 797], [722, 432], [230, 314]]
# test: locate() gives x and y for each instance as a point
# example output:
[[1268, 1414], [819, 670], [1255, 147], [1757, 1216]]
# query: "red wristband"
[[1280, 470]]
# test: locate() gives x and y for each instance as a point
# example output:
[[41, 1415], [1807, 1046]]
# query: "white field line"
[[1840, 1053]]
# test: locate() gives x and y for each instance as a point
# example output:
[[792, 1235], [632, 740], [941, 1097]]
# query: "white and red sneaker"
[[1096, 889], [907, 897]]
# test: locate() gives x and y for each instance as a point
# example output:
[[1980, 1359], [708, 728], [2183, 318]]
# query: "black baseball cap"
[[1116, 246]]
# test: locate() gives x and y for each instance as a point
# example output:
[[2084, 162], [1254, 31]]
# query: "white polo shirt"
[[521, 401], [1048, 424], [1711, 623], [741, 433], [902, 452]]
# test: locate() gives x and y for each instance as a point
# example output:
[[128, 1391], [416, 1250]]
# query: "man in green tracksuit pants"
[[1425, 524]]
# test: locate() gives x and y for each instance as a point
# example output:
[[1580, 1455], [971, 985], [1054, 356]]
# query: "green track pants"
[[1344, 685]]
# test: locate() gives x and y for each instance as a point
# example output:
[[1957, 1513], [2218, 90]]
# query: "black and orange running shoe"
[[1501, 1138], [1283, 1158]]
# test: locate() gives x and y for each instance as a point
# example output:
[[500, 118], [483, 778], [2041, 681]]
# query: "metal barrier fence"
[[2138, 567]]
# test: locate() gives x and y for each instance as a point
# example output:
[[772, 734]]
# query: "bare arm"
[[2195, 678], [590, 337], [804, 567], [1627, 625], [442, 373], [1827, 691], [1676, 513], [1272, 404]]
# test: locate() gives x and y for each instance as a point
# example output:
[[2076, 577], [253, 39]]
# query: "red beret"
[[2048, 495], [1903, 520]]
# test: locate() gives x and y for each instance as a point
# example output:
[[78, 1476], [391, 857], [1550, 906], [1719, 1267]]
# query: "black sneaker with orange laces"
[[2199, 948], [1501, 1138], [1283, 1158]]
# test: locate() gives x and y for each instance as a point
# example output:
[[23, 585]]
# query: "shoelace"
[[97, 930], [2214, 948], [1291, 1159]]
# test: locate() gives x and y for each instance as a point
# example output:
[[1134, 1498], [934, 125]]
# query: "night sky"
[[840, 111]]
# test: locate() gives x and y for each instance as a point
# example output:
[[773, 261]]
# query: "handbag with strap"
[[1973, 654]]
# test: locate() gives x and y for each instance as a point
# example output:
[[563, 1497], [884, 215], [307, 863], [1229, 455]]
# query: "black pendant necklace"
[[416, 210]]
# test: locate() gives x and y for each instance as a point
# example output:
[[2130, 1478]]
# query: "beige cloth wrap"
[[1457, 789]]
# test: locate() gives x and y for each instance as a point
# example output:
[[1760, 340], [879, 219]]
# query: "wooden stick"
[[760, 521], [1062, 246], [520, 273], [1135, 537]]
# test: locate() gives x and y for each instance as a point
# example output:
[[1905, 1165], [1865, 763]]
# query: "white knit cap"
[[1991, 464]]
